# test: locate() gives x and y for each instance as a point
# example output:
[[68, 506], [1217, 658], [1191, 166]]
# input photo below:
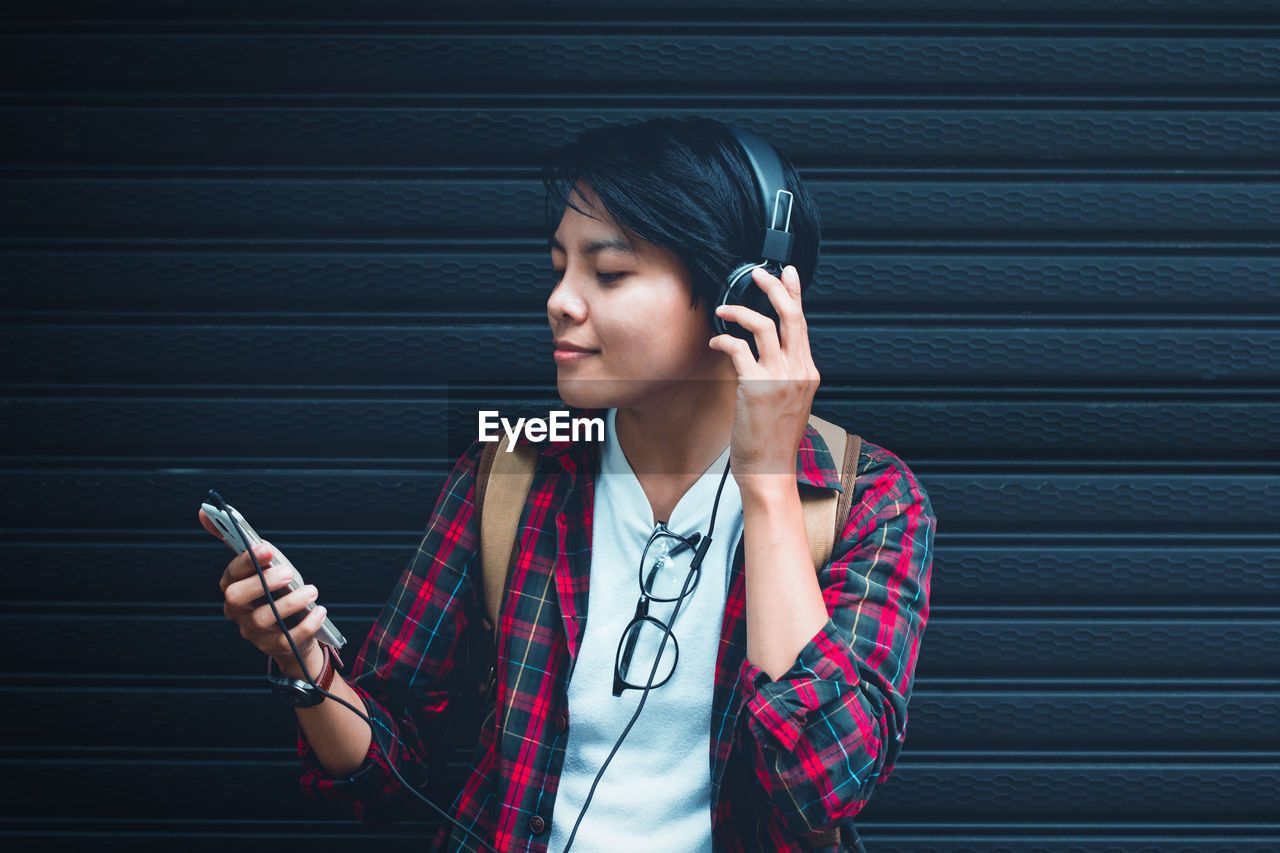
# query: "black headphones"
[[775, 249]]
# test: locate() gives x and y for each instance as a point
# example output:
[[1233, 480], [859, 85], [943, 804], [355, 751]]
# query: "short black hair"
[[685, 185]]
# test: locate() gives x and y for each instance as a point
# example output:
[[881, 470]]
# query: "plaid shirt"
[[788, 757]]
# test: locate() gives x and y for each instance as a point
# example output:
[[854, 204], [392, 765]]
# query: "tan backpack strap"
[[848, 475], [487, 456], [820, 504], [825, 512], [482, 473], [502, 485]]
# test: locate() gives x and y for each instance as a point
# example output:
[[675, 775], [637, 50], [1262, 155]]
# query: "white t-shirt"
[[656, 792]]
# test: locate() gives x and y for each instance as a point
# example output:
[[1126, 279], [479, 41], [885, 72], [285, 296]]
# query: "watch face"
[[298, 694]]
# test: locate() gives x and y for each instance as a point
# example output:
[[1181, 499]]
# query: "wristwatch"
[[298, 693]]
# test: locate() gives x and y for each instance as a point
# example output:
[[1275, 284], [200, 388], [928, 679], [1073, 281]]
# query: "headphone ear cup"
[[740, 289], [737, 281]]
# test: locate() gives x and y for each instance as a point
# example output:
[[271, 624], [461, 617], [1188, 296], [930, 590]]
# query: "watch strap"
[[331, 664]]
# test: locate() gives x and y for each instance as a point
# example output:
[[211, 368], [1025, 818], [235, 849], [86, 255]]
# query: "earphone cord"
[[684, 591], [307, 677]]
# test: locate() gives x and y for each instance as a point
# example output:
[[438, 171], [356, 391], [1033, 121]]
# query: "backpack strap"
[[825, 512], [500, 508]]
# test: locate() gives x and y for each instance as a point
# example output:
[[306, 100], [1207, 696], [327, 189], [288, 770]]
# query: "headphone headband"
[[775, 199]]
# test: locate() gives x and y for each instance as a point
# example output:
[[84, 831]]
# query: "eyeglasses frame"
[[627, 642]]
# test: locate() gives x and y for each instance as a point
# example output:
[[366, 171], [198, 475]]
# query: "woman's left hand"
[[775, 391]]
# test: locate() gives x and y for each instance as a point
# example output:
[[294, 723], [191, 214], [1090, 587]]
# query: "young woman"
[[786, 702]]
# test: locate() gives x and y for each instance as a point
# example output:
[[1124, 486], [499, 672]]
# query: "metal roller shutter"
[[243, 247]]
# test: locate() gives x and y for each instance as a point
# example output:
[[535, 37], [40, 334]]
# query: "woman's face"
[[620, 314]]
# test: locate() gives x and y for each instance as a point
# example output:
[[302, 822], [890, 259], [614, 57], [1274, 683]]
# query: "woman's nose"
[[565, 302]]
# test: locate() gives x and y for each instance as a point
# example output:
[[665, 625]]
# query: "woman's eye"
[[602, 277]]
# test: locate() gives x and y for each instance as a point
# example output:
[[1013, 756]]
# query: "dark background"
[[270, 249]]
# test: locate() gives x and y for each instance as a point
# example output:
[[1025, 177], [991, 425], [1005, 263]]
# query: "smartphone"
[[328, 634]]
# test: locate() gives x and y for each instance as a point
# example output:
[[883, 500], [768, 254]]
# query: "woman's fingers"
[[264, 620], [245, 604], [760, 326], [243, 593], [784, 347], [795, 328], [738, 352], [303, 635], [784, 296], [207, 523], [242, 567]]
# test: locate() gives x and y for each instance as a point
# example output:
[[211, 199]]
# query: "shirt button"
[[562, 722], [537, 824]]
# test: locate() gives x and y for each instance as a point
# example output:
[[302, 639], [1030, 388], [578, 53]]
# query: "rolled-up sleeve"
[[407, 671], [830, 728]]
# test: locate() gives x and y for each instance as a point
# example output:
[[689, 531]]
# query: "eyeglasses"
[[670, 567]]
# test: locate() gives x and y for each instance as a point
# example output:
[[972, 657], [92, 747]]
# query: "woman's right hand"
[[245, 605]]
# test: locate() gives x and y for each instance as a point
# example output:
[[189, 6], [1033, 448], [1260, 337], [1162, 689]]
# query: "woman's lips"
[[568, 356]]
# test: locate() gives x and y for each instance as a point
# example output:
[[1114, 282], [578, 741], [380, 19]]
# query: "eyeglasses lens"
[[666, 566], [644, 637]]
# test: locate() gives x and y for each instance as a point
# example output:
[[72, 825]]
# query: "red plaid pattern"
[[788, 757]]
